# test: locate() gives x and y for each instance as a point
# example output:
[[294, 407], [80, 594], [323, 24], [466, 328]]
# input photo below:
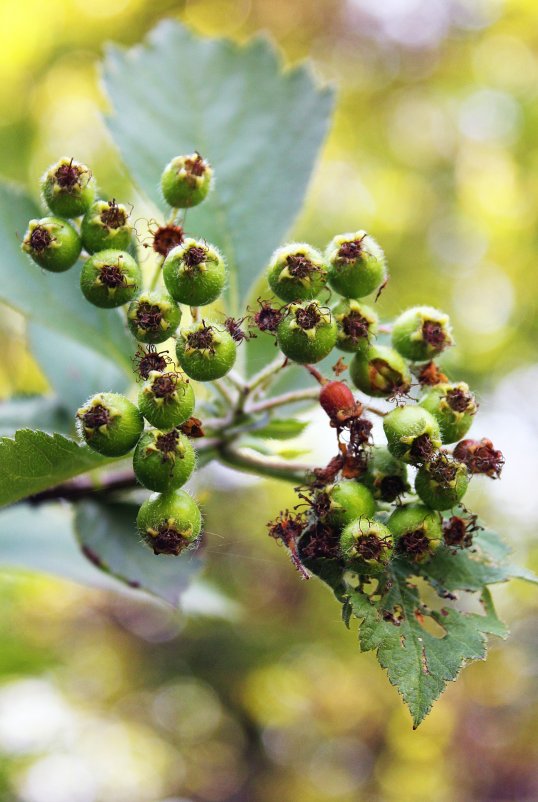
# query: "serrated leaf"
[[418, 663], [108, 535], [52, 299], [260, 127], [281, 429], [33, 461]]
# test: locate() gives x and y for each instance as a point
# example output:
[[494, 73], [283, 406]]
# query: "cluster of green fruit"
[[194, 274]]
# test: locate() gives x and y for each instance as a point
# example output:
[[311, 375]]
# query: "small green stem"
[[276, 469], [156, 275], [310, 394]]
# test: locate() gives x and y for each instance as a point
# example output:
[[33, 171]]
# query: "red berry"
[[336, 397]]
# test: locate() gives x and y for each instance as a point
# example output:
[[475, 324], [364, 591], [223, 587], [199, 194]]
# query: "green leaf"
[[41, 539], [73, 370], [107, 533], [33, 461], [280, 429], [51, 299], [34, 412], [260, 127], [417, 662]]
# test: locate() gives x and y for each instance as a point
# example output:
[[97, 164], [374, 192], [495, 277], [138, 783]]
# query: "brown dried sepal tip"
[[196, 166], [233, 327], [327, 475], [320, 541], [168, 541], [443, 470], [480, 456], [267, 318], [299, 266], [458, 532], [349, 251], [391, 487], [148, 316], [195, 256], [339, 367], [371, 547], [422, 449], [113, 216], [167, 443], [355, 462], [202, 339], [112, 276], [147, 359], [430, 375], [308, 317], [166, 238], [414, 544], [40, 239], [96, 417], [355, 326], [460, 401], [435, 335], [288, 528], [68, 176], [165, 386], [192, 427]]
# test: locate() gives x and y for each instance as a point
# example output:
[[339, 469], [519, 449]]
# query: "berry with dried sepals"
[[385, 475], [106, 225], [336, 399], [366, 545], [429, 375], [480, 456], [194, 273], [110, 278], [68, 188], [421, 332], [205, 353], [341, 503], [163, 460], [186, 181], [110, 424], [167, 237], [307, 333], [267, 318], [442, 483], [417, 532], [453, 406], [458, 532], [153, 317], [297, 272], [356, 264], [169, 523], [147, 359], [357, 325], [166, 399], [380, 371], [412, 434], [52, 243]]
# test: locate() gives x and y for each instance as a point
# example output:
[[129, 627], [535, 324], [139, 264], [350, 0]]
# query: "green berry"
[[442, 483], [417, 531], [380, 371], [110, 278], [307, 333], [357, 325], [105, 225], [68, 188], [163, 461], [110, 424], [153, 317], [194, 273], [205, 353], [366, 544], [385, 475], [453, 406], [412, 434], [421, 333], [166, 399], [186, 180], [356, 263], [52, 243], [169, 523], [297, 272], [341, 503]]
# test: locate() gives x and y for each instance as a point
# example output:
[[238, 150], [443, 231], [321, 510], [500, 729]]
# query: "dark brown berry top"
[[40, 239], [166, 238]]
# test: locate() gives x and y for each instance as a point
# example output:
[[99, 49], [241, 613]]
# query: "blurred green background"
[[109, 699]]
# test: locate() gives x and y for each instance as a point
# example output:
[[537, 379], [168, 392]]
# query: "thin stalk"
[[310, 394], [261, 466]]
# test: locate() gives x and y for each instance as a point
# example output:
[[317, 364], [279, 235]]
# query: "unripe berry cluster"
[[194, 274]]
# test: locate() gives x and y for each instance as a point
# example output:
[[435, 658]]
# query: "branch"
[[262, 466], [310, 394]]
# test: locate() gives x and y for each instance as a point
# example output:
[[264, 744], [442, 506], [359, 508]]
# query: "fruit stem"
[[262, 466], [319, 377], [310, 394]]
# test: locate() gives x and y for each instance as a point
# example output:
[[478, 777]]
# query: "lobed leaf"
[[261, 129]]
